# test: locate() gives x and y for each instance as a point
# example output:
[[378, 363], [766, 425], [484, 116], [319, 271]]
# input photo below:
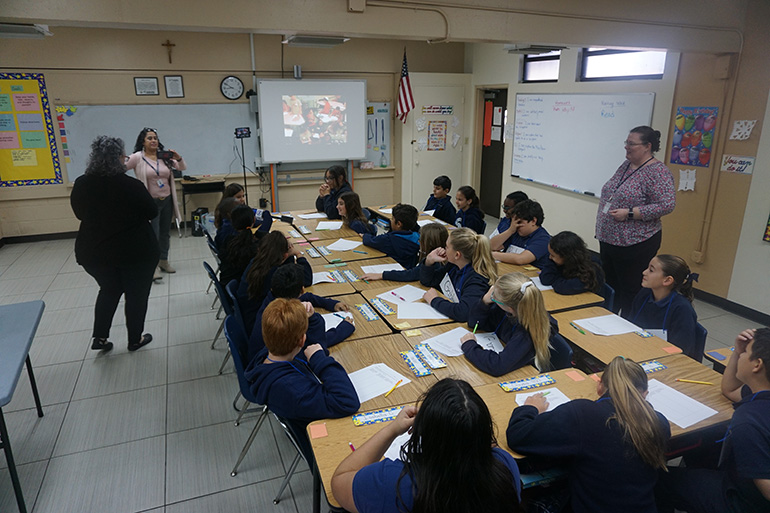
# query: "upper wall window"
[[543, 67], [604, 64]]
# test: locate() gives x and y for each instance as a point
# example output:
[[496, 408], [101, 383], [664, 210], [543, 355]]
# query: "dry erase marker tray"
[[542, 380]]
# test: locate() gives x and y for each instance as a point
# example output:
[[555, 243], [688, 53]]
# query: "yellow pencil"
[[394, 387], [694, 381]]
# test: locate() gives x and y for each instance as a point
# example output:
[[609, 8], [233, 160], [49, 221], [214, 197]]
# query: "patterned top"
[[650, 188]]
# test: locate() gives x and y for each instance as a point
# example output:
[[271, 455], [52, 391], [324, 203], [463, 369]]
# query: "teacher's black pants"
[[623, 267], [135, 281]]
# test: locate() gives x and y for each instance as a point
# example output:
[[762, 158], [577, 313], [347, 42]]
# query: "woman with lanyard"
[[462, 271], [156, 174], [628, 220]]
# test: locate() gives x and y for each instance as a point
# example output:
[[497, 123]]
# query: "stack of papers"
[[315, 215], [329, 225], [424, 222], [333, 320], [343, 245], [322, 277], [381, 268], [375, 380], [607, 325]]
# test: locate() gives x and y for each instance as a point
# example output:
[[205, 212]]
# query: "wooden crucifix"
[[168, 44]]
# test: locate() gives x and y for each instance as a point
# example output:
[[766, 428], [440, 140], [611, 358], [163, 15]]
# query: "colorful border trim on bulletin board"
[[49, 128]]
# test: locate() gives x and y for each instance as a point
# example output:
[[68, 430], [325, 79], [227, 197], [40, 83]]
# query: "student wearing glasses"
[[499, 237], [335, 184]]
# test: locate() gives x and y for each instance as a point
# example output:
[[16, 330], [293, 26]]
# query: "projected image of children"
[[314, 119]]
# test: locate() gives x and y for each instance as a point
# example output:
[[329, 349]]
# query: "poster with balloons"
[[693, 139]]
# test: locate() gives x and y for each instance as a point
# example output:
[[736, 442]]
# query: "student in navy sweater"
[[222, 220], [262, 218], [298, 388], [469, 215], [403, 241], [526, 241], [440, 201], [497, 239], [274, 251], [335, 183], [287, 283], [239, 247], [571, 269], [665, 304], [741, 484], [463, 272], [349, 208], [432, 236], [613, 446], [514, 310], [450, 464]]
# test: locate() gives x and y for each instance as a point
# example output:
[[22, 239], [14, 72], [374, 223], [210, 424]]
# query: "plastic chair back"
[[561, 353], [227, 305], [235, 338], [700, 342], [232, 292], [608, 293]]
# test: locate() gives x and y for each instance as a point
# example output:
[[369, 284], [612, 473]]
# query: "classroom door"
[[490, 190], [434, 135]]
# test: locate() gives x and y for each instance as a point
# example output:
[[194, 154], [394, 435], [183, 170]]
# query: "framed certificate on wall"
[[174, 86], [146, 86]]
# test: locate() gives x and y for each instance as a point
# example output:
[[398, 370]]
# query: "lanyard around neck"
[[624, 177], [155, 168]]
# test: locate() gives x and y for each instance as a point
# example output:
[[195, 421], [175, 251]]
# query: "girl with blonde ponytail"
[[514, 310], [462, 271], [614, 446]]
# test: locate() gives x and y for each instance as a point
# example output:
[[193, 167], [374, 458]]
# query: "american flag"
[[405, 97]]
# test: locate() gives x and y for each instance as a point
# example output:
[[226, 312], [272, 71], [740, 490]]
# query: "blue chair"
[[561, 353], [608, 293], [215, 253], [232, 293], [235, 338], [223, 299], [700, 342]]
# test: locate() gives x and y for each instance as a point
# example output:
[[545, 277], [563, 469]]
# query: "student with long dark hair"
[[570, 268], [613, 447], [349, 208], [469, 215], [451, 462], [432, 236], [222, 220], [335, 184], [665, 304], [240, 246]]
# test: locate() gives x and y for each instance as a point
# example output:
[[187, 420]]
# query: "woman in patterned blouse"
[[628, 221]]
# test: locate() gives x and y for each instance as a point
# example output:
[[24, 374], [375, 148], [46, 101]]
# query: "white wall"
[[750, 284], [490, 65]]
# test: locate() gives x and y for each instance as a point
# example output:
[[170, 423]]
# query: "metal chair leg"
[[287, 478], [211, 282], [216, 298], [219, 312], [235, 401], [224, 362], [244, 409], [252, 436], [219, 332]]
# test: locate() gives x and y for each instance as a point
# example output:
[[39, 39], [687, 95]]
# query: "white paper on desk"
[[607, 325], [323, 277], [386, 210], [381, 268], [333, 320], [314, 215], [429, 212], [539, 284], [424, 222], [328, 225], [682, 410], [555, 397], [448, 343], [394, 451], [448, 288], [343, 245], [418, 311], [375, 380], [409, 293], [489, 341]]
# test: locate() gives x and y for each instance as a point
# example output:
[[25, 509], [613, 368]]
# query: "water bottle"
[[383, 160]]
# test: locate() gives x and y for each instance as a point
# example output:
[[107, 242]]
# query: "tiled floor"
[[128, 432], [151, 430]]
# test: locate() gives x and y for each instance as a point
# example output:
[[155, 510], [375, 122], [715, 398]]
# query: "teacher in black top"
[[115, 244], [335, 184]]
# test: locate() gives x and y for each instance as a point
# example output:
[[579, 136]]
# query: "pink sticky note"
[[318, 431], [672, 349], [574, 375], [313, 238], [595, 377]]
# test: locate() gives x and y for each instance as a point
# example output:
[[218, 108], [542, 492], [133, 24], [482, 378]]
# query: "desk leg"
[[33, 383], [184, 211], [11, 464], [316, 489]]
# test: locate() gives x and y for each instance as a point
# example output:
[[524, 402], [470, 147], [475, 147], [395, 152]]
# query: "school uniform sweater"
[[412, 274], [518, 349], [443, 208], [536, 243], [472, 218], [673, 313], [401, 245], [469, 286], [606, 474], [553, 275], [361, 227], [250, 306], [328, 204]]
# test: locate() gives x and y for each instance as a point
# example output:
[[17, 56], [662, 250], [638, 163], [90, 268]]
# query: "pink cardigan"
[[141, 168]]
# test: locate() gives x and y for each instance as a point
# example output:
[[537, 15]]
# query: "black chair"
[[226, 306], [700, 342], [215, 253]]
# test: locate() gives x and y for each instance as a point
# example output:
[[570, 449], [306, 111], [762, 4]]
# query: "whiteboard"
[[575, 141], [203, 134]]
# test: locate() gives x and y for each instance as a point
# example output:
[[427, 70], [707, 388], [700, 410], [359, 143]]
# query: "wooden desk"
[[384, 349], [459, 367], [325, 235], [285, 228], [604, 348], [719, 357], [504, 268], [559, 303], [330, 289], [360, 253], [376, 210], [364, 328], [360, 285], [199, 186], [394, 319]]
